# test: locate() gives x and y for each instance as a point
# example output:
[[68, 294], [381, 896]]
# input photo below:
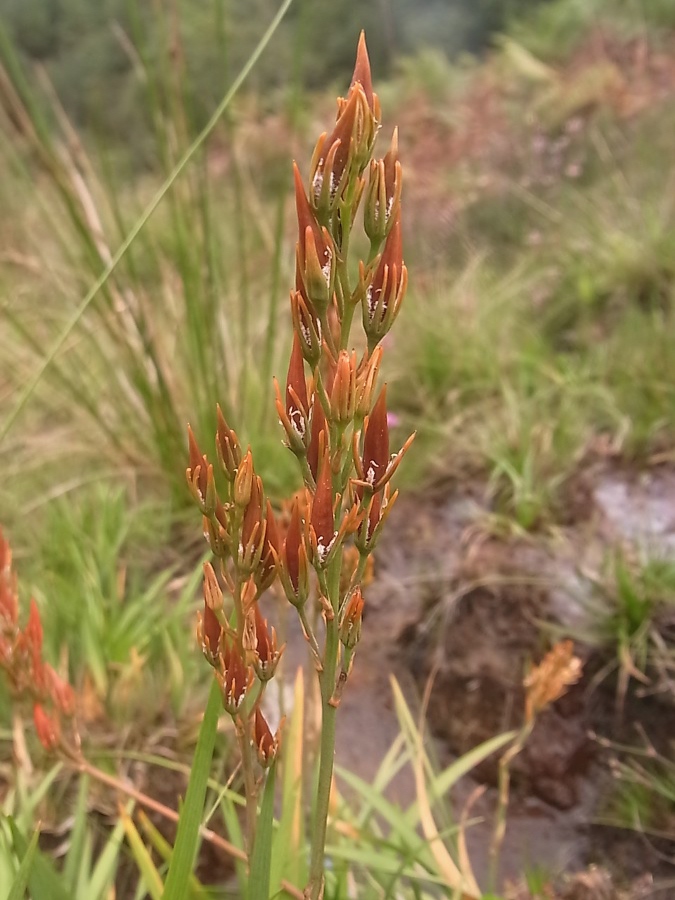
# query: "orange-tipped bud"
[[317, 443], [198, 464], [235, 678], [297, 406], [315, 255], [33, 630], [227, 447], [213, 596], [253, 529], [376, 443], [307, 327], [350, 624], [362, 73], [209, 632], [322, 520], [46, 727], [267, 656], [384, 295], [243, 481], [266, 743], [267, 570], [383, 198], [343, 394], [60, 692], [366, 379], [9, 600], [293, 565]]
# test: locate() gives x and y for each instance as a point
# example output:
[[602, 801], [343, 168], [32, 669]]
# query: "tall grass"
[[182, 313]]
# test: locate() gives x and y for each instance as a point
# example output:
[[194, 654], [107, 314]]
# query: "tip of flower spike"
[[362, 73]]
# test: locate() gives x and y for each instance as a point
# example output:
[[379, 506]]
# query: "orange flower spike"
[[322, 520], [314, 253], [384, 295], [376, 442], [46, 727], [227, 447]]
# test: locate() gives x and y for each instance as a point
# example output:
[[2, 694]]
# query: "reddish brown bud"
[[267, 570], [266, 744], [350, 625], [343, 393], [362, 74], [9, 602], [243, 481], [46, 727], [266, 654], [198, 471], [383, 198], [33, 630], [322, 519], [366, 379], [235, 678], [317, 444], [315, 254], [385, 293], [253, 528], [227, 447], [297, 406], [293, 567], [376, 442], [307, 327]]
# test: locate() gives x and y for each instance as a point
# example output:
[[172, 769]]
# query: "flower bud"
[[252, 529], [383, 198], [376, 442], [266, 744], [267, 570], [317, 444], [384, 295], [307, 327], [343, 394], [243, 481], [293, 565], [297, 406], [350, 624], [235, 678], [322, 520], [267, 656], [314, 253], [46, 727], [197, 473], [227, 447], [366, 379]]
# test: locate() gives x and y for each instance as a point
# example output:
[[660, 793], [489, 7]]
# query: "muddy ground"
[[453, 603]]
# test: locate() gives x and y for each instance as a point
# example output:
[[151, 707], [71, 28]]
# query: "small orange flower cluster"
[[29, 676], [335, 423]]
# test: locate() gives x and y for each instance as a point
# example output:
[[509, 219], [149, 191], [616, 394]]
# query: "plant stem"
[[314, 888]]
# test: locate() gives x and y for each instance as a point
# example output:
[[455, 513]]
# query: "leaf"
[[187, 837], [20, 884], [146, 867], [259, 877], [163, 847], [44, 881]]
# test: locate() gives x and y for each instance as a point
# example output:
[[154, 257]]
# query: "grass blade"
[[145, 216], [43, 879], [21, 880], [187, 838], [259, 878]]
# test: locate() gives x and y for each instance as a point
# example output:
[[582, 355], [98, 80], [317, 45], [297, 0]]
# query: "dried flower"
[[548, 681]]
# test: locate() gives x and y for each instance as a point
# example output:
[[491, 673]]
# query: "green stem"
[[327, 747]]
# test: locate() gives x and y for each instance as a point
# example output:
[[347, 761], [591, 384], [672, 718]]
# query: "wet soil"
[[452, 604]]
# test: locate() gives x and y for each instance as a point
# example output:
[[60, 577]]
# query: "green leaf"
[[78, 834], [259, 878], [21, 880], [44, 881], [187, 837]]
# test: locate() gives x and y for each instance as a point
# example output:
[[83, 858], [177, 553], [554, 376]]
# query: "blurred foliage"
[[88, 48]]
